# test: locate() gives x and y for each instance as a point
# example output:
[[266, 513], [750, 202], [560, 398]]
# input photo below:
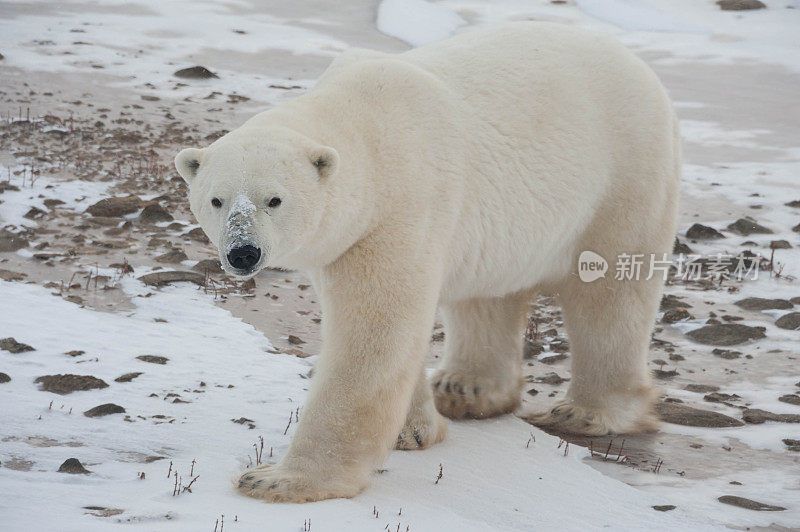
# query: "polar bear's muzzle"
[[244, 258]]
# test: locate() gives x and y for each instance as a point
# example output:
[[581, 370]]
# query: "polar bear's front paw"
[[275, 483], [420, 432], [571, 418], [459, 395]]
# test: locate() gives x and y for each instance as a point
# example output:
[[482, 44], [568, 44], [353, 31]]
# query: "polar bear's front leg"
[[424, 426], [375, 333]]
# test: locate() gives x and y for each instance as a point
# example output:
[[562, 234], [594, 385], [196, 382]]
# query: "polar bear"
[[467, 175]]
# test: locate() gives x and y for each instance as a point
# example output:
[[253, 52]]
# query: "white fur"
[[468, 174]]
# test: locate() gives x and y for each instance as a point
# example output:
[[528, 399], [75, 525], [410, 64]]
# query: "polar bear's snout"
[[244, 258]]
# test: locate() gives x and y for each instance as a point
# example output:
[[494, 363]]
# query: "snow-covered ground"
[[219, 370], [500, 474]]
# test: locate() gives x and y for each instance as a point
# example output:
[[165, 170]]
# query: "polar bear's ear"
[[326, 161], [187, 162]]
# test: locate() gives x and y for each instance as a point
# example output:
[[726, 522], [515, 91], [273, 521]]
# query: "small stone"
[[669, 302], [4, 378], [209, 265], [74, 467], [727, 354], [747, 226], [717, 397], [791, 445], [790, 398], [198, 235], [195, 72], [726, 334], [757, 416], [702, 232], [676, 315], [295, 340], [34, 213], [104, 410], [749, 504], [100, 511], [8, 275], [553, 359], [729, 318], [172, 257], [664, 507], [11, 242], [780, 244], [760, 303], [740, 5], [128, 377], [681, 248], [790, 321], [162, 278], [531, 349], [665, 374], [533, 391], [551, 378], [701, 388], [154, 213], [680, 414], [153, 359], [12, 346], [115, 207], [65, 384], [437, 336]]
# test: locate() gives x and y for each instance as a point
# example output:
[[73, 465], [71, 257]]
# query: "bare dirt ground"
[[88, 127]]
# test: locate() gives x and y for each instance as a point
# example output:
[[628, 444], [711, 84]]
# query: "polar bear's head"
[[257, 195]]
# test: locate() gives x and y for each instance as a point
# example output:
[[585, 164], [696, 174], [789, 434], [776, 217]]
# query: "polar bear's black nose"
[[244, 257]]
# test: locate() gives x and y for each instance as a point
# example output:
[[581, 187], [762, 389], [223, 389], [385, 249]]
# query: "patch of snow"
[[491, 477], [635, 15], [77, 195], [417, 22]]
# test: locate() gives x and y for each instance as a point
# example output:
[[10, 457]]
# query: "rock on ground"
[[104, 410], [115, 207], [679, 414], [790, 321], [726, 334], [12, 346], [761, 303], [756, 416], [74, 467], [65, 384], [749, 504], [162, 278]]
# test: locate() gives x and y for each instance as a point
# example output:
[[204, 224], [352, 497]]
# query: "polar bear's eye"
[[216, 202], [274, 202]]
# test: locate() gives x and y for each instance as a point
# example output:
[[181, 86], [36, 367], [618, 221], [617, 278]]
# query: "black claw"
[[418, 437], [447, 387]]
